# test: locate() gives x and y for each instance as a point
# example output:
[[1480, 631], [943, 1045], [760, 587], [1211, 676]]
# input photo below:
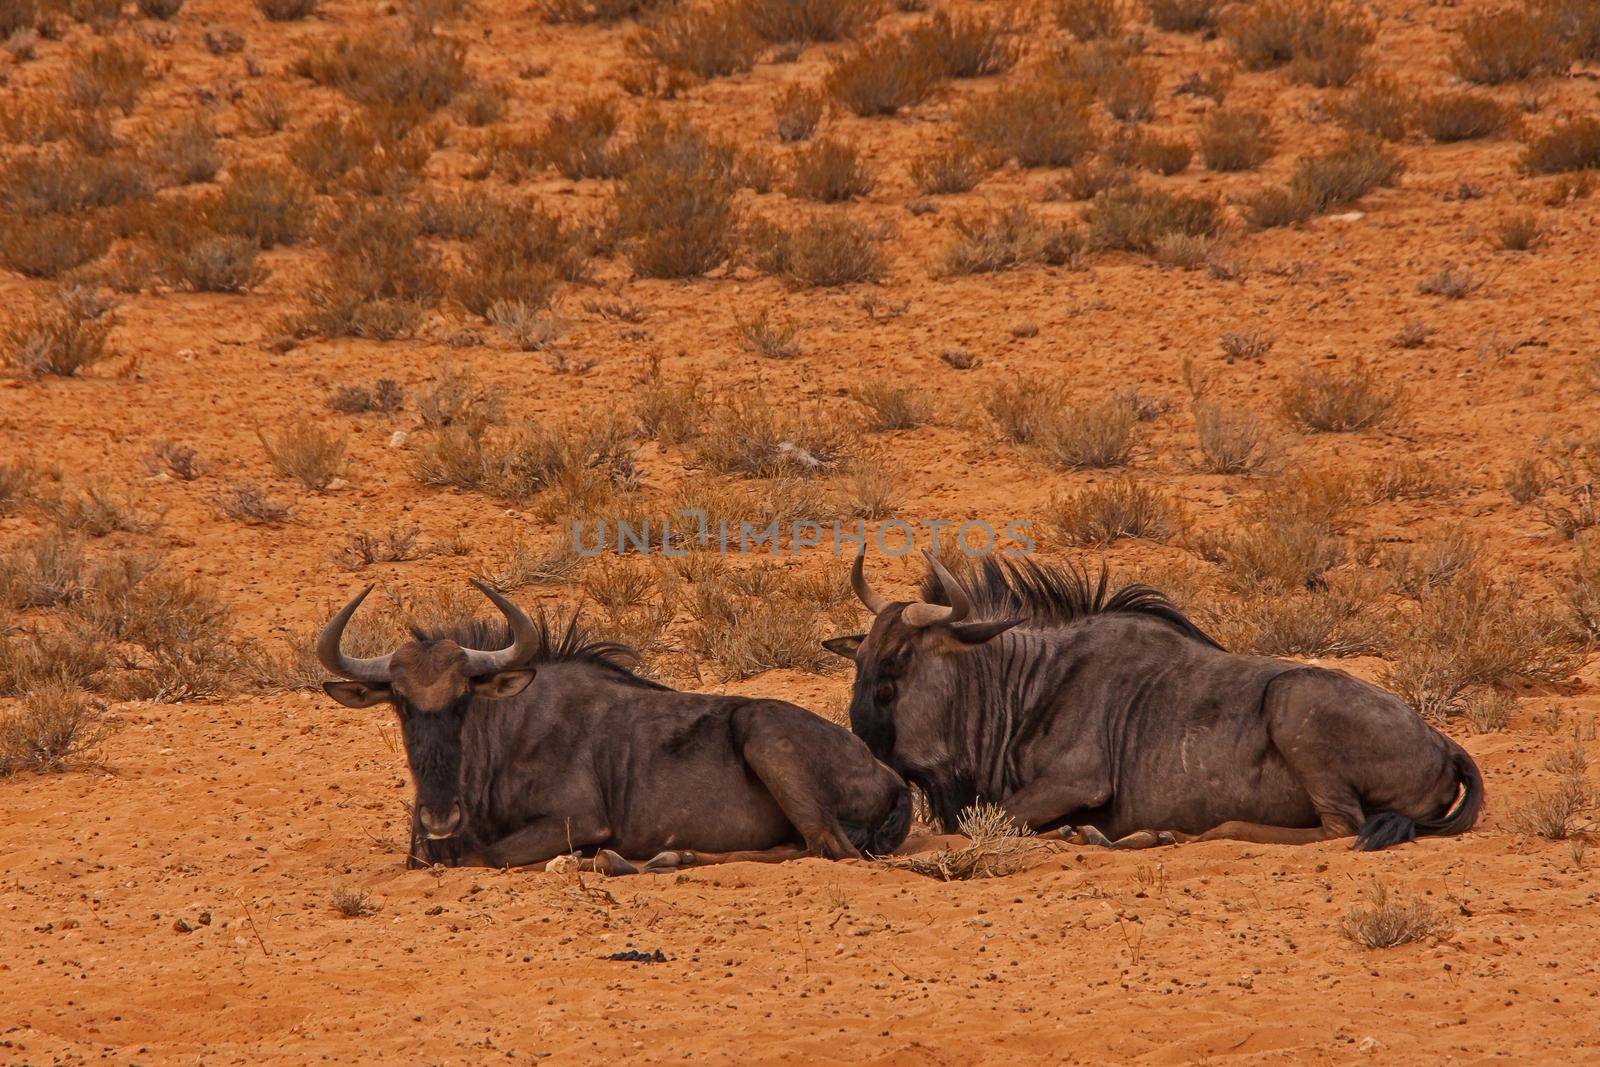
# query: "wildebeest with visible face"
[[551, 746], [1070, 705]]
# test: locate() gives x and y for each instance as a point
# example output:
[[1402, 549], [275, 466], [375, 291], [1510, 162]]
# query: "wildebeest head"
[[430, 684], [906, 667]]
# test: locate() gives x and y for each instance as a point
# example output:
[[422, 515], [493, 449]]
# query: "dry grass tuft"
[[1320, 42], [831, 170], [767, 336], [62, 337], [996, 846], [1462, 116], [1233, 440], [56, 727], [1133, 219], [748, 436], [1000, 239], [952, 168], [972, 45], [1338, 619], [1234, 139], [412, 76], [1572, 144], [807, 20], [1089, 436], [823, 250], [796, 112], [674, 212], [1113, 510], [708, 40], [248, 503], [1509, 44], [42, 572], [1186, 16], [1520, 231], [308, 452], [1386, 922], [891, 406], [353, 902], [1327, 401], [886, 74], [1036, 123], [1379, 106]]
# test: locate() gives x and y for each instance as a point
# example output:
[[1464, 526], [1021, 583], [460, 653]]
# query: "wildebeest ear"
[[356, 694], [976, 633], [844, 646], [501, 685]]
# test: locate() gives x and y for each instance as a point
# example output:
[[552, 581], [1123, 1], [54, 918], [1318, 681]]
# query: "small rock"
[[397, 438], [182, 926], [1368, 1045], [1349, 216], [562, 864], [337, 484]]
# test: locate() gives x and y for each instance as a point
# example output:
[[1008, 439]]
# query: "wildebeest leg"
[[673, 859], [1091, 835], [792, 781], [1075, 786], [1262, 834], [539, 842]]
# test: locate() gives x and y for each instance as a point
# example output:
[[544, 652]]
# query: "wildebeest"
[[551, 746], [1070, 705]]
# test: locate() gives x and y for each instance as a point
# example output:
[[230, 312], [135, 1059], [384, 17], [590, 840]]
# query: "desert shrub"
[[885, 75], [520, 257], [1113, 510], [796, 111], [1326, 401], [1128, 93], [1185, 16], [589, 11], [750, 437], [806, 20], [576, 141], [331, 148], [1162, 156], [1559, 813], [1468, 633], [207, 262], [1509, 44], [61, 336], [1037, 123], [541, 457], [768, 336], [674, 215], [1336, 619], [308, 452], [1091, 20], [55, 727], [891, 406], [823, 250], [1088, 435], [1388, 923], [1282, 554], [1232, 440], [385, 395], [1088, 178], [111, 74], [481, 105], [69, 181], [379, 277], [248, 503], [1571, 144], [1134, 219], [187, 151], [1451, 282], [1410, 478], [48, 246], [997, 846], [42, 572], [1023, 410], [830, 169], [973, 45], [1344, 173], [746, 630], [1462, 116], [1379, 106], [409, 75], [286, 10], [1519, 231], [17, 483], [18, 17], [1414, 569], [1233, 139], [708, 40], [952, 168], [670, 412], [999, 239], [1322, 42], [262, 202]]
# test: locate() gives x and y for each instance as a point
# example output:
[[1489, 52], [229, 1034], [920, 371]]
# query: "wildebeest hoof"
[[610, 863], [669, 861], [1090, 835], [562, 864]]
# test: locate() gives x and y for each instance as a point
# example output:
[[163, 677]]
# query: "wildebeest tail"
[[1386, 828], [886, 835]]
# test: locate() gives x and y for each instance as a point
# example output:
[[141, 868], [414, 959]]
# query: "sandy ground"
[[176, 907]]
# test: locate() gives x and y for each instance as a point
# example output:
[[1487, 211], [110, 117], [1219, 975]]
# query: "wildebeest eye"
[[883, 693]]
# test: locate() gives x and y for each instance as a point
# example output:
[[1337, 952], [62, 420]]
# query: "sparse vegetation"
[[823, 250], [1462, 116], [1232, 440], [307, 452], [996, 847], [1112, 510], [891, 406], [1388, 922], [1509, 44], [1235, 139], [62, 337], [1325, 401]]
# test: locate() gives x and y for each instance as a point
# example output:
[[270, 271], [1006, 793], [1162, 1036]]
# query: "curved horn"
[[920, 615], [858, 581], [524, 637], [371, 671]]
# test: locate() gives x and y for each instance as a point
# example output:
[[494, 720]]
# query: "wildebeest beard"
[[948, 795]]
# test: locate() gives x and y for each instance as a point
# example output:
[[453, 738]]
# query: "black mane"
[[559, 641], [1056, 596]]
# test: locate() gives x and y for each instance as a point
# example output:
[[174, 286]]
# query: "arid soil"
[[172, 899]]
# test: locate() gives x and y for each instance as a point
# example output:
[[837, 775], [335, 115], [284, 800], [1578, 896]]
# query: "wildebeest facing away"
[[1070, 705], [550, 745]]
